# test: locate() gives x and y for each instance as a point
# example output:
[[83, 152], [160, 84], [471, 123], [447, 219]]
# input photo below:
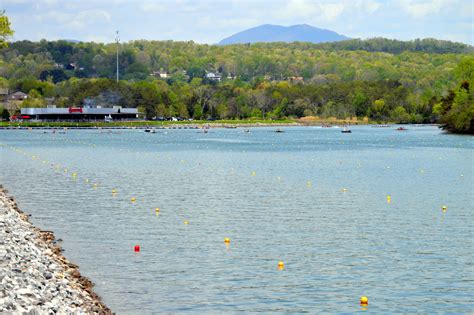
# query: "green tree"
[[5, 30], [400, 115]]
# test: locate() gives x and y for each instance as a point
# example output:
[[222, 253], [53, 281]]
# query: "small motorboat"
[[401, 129], [346, 130], [279, 130], [150, 130]]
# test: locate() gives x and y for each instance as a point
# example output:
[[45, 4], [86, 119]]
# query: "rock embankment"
[[34, 276]]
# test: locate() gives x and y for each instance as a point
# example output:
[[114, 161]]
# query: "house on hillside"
[[17, 96], [296, 80], [72, 66], [160, 74], [213, 76]]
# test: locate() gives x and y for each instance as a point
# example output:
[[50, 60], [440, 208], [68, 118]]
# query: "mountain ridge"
[[277, 33]]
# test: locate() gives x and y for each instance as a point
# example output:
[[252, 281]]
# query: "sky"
[[209, 21]]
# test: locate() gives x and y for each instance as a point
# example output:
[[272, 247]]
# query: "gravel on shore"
[[35, 277]]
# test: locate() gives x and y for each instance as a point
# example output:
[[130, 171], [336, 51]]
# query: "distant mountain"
[[277, 33], [75, 41]]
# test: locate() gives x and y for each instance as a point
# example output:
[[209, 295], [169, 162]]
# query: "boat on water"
[[401, 129], [346, 130], [150, 130], [279, 130]]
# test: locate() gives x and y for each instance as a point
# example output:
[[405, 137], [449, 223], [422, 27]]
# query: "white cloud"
[[152, 7], [77, 20], [304, 9], [419, 9]]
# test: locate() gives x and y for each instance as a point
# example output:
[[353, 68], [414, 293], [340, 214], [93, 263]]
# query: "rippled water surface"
[[314, 198]]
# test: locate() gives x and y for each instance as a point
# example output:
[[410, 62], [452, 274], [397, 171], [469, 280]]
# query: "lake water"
[[314, 198]]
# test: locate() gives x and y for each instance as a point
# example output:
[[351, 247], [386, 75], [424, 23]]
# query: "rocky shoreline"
[[35, 277]]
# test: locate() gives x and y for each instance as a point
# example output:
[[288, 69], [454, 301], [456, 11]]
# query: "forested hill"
[[403, 82], [393, 46], [341, 61]]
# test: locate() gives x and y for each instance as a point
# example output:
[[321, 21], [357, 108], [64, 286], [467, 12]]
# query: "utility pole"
[[117, 39]]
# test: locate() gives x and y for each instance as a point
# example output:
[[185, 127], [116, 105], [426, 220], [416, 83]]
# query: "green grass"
[[126, 124]]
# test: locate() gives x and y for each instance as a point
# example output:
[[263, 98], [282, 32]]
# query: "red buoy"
[[137, 248]]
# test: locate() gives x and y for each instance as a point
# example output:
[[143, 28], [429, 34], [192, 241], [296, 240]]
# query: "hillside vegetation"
[[383, 79]]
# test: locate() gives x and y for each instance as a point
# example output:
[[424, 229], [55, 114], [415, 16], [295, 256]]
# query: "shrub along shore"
[[34, 275]]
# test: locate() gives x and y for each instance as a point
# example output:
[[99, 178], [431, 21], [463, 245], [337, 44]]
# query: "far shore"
[[197, 124]]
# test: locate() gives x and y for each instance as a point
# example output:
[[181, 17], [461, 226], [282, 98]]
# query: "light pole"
[[117, 39]]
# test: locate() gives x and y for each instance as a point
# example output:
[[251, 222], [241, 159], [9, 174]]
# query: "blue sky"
[[208, 21]]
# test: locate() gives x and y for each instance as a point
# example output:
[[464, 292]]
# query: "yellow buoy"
[[389, 198], [133, 199], [254, 173], [364, 300], [186, 222], [281, 265], [74, 174], [114, 191], [227, 241], [444, 208], [308, 183], [95, 185], [87, 180], [65, 170], [344, 189]]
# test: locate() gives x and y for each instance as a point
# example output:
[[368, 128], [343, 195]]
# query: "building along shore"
[[34, 275]]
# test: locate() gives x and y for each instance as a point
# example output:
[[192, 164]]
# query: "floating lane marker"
[[281, 265], [186, 222], [136, 248], [254, 173], [364, 301], [227, 241], [343, 189], [133, 199], [389, 199], [444, 208]]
